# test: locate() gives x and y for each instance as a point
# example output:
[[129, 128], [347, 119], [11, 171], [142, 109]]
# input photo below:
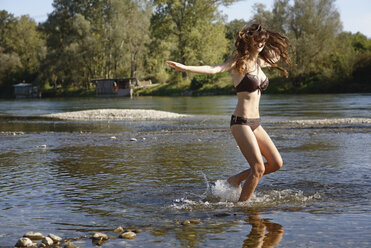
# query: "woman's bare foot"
[[236, 180], [233, 181]]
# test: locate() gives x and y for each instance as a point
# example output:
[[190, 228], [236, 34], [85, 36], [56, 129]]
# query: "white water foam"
[[221, 194], [225, 192]]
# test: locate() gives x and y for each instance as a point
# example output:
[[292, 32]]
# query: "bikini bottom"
[[253, 123]]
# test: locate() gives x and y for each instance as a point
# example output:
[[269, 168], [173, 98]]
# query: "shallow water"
[[72, 178]]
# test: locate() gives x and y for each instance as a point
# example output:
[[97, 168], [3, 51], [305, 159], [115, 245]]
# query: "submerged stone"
[[55, 238], [25, 242], [47, 241], [128, 235], [34, 235], [70, 245], [99, 236], [195, 222], [186, 223], [118, 229]]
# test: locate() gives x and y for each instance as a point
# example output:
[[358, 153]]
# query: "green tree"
[[231, 29], [311, 25], [188, 31], [21, 49], [97, 39], [314, 25]]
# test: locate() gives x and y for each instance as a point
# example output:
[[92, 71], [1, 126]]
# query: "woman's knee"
[[258, 170], [278, 163]]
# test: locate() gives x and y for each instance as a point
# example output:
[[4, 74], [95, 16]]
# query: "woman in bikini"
[[256, 48]]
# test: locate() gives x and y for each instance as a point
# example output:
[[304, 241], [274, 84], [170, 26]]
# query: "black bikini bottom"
[[253, 123]]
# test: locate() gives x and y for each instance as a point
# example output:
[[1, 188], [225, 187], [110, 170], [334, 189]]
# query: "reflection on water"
[[264, 233], [75, 177]]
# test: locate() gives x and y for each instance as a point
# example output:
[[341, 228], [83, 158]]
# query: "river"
[[76, 177]]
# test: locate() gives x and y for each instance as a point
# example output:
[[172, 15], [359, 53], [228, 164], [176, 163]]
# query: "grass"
[[222, 86]]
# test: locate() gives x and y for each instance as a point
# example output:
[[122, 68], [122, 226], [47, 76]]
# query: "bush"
[[199, 80]]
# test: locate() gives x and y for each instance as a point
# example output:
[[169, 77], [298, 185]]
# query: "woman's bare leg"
[[249, 147], [268, 150]]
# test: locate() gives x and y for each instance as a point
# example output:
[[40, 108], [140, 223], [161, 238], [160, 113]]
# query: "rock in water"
[[55, 238], [119, 229], [25, 242], [34, 235], [195, 222], [128, 235], [186, 223], [70, 245], [47, 241], [100, 236]]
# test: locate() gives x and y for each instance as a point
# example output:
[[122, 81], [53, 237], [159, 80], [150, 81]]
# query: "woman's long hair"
[[275, 45]]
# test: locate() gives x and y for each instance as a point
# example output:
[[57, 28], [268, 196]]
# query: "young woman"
[[256, 48]]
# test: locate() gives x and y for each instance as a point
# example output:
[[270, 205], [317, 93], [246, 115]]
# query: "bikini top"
[[251, 83]]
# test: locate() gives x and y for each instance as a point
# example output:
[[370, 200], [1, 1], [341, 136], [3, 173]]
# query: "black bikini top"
[[251, 83]]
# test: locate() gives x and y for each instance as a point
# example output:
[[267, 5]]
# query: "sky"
[[355, 14]]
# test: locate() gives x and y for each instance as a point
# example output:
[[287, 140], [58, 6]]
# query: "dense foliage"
[[86, 39]]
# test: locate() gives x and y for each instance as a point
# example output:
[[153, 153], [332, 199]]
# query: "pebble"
[[55, 238], [138, 230], [195, 222], [222, 215], [128, 235], [113, 137], [25, 242], [47, 241], [133, 139], [70, 245], [186, 223], [99, 236], [118, 229], [34, 235]]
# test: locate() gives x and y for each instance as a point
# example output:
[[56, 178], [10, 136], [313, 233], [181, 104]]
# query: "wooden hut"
[[26, 90], [114, 87]]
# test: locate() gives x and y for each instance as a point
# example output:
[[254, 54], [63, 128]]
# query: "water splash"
[[225, 192], [221, 195]]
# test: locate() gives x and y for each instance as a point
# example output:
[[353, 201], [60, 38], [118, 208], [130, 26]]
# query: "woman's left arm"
[[204, 69]]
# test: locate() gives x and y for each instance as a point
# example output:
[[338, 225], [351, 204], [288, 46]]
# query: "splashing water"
[[225, 192]]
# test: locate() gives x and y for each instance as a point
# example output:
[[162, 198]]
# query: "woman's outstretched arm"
[[203, 69]]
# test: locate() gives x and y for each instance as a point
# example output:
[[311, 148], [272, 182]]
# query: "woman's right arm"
[[203, 69]]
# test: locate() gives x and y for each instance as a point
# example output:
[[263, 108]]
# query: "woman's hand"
[[177, 66]]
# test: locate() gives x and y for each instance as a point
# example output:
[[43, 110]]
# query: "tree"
[[189, 31], [314, 25], [98, 39], [21, 49], [231, 28]]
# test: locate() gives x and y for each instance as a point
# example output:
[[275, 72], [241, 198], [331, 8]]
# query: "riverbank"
[[222, 85], [276, 86]]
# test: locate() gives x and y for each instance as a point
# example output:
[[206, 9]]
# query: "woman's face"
[[258, 39], [258, 45]]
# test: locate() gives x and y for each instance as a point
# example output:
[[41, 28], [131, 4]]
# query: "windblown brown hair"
[[276, 45]]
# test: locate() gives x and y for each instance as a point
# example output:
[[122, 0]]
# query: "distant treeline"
[[88, 39]]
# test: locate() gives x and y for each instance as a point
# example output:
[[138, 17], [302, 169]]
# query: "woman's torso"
[[248, 102]]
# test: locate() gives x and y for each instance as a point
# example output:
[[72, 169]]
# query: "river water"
[[76, 177]]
